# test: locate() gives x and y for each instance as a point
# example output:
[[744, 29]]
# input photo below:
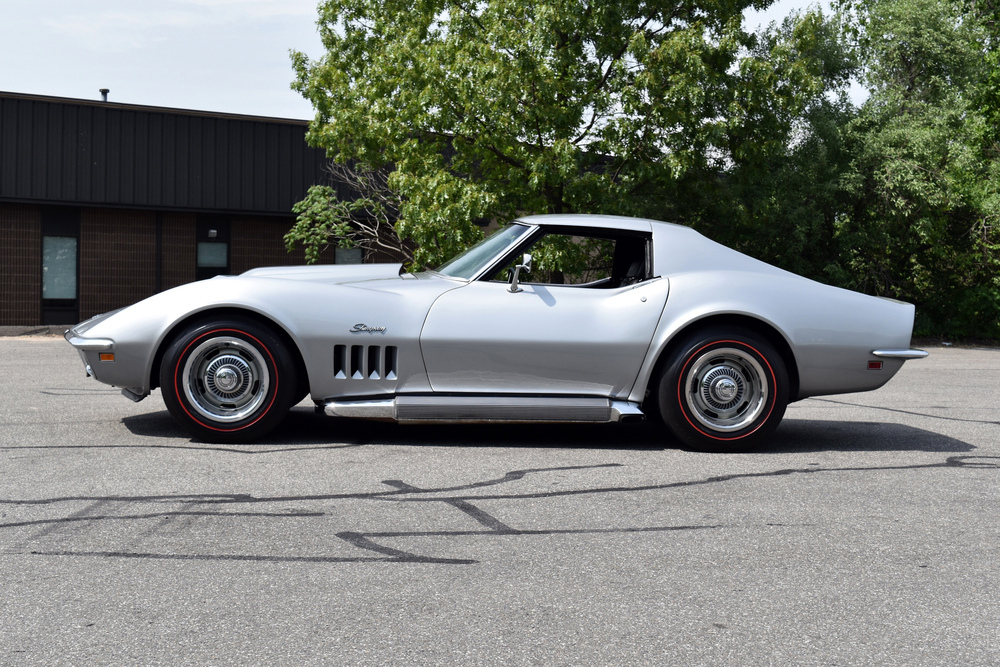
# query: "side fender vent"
[[358, 362]]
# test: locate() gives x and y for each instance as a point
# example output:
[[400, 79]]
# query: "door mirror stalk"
[[516, 275]]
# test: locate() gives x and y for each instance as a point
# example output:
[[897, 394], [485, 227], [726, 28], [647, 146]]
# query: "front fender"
[[315, 317]]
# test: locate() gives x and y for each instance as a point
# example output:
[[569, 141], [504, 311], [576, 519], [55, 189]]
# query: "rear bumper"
[[900, 354]]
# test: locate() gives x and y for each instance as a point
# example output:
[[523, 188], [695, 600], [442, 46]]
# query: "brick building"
[[104, 204]]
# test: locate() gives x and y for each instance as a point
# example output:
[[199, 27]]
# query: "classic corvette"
[[565, 318]]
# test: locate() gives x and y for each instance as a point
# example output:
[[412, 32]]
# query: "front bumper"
[[94, 352], [85, 345]]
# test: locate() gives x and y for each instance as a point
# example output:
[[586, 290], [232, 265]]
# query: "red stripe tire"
[[723, 390], [227, 381]]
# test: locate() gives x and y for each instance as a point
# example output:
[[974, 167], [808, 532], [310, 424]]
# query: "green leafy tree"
[[987, 12], [781, 204], [364, 220], [922, 227], [488, 110]]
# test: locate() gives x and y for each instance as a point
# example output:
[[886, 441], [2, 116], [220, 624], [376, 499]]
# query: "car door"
[[544, 339]]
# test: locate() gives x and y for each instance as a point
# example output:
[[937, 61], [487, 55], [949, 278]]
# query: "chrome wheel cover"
[[726, 389], [225, 379]]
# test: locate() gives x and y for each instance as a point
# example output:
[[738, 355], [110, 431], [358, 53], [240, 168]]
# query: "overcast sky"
[[210, 55]]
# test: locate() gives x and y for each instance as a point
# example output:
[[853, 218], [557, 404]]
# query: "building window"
[[60, 265], [213, 255], [213, 246], [59, 268]]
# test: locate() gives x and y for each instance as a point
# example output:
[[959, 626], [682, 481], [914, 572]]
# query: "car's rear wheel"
[[723, 390], [228, 381]]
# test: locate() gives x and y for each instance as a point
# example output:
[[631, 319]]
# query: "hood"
[[329, 274]]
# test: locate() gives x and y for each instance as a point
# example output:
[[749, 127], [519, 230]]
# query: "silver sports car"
[[565, 318]]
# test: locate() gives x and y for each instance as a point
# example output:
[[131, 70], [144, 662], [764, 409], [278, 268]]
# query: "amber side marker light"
[[110, 356], [872, 365]]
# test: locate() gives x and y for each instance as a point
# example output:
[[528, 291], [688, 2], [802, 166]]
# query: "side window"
[[582, 261], [573, 260]]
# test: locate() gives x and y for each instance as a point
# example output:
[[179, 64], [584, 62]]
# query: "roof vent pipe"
[[104, 94]]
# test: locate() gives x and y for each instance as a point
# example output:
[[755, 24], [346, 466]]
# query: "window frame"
[[541, 231]]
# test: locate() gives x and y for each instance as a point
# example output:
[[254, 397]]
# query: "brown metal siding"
[[101, 154], [136, 181]]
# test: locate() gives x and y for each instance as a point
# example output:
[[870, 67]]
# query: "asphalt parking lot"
[[865, 533]]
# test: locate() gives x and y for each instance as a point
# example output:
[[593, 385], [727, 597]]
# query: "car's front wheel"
[[723, 390], [228, 381]]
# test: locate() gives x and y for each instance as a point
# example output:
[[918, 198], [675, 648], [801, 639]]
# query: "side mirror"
[[526, 265]]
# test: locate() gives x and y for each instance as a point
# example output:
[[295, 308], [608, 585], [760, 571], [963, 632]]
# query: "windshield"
[[479, 256]]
